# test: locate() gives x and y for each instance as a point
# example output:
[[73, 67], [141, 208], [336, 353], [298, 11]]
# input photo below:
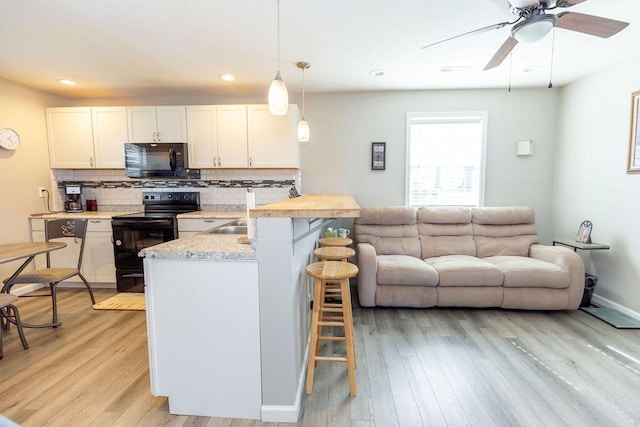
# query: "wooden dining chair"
[[9, 313], [58, 229]]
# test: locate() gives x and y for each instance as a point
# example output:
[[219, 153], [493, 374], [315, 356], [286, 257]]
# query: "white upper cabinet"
[[273, 140], [232, 136], [157, 124], [86, 137], [109, 136], [70, 136], [217, 136]]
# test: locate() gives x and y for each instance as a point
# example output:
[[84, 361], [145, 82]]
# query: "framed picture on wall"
[[633, 163], [378, 156]]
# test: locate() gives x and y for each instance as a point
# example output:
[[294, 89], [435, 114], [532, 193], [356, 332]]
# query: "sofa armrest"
[[569, 261], [368, 269]]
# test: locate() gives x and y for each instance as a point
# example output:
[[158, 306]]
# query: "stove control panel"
[[175, 197]]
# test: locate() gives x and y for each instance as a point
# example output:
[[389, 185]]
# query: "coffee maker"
[[73, 202]]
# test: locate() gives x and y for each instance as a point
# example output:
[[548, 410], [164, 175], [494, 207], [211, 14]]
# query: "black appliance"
[[133, 232], [158, 160]]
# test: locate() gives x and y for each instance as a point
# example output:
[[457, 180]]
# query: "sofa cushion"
[[525, 272], [445, 231], [503, 231], [391, 230], [465, 270], [405, 270]]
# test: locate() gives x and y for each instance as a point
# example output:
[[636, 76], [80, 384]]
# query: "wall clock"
[[9, 139]]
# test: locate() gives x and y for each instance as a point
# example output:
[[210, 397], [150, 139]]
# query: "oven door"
[[129, 237]]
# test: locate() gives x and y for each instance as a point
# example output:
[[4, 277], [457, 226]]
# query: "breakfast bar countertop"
[[310, 206]]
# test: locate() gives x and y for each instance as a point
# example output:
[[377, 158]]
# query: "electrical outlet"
[[42, 192]]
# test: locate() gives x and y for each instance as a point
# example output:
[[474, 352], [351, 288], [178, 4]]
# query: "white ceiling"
[[116, 48]]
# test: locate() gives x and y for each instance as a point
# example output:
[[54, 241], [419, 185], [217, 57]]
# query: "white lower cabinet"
[[190, 226], [98, 263], [204, 336]]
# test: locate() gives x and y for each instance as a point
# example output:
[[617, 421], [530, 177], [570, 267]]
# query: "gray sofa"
[[462, 257]]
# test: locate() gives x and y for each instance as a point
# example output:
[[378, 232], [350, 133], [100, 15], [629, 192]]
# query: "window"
[[445, 158]]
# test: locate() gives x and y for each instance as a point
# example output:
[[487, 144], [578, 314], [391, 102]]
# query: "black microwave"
[[157, 160]]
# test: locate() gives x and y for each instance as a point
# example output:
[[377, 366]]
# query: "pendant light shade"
[[303, 130], [278, 94], [303, 127]]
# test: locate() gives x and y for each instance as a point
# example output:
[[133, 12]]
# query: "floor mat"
[[613, 317], [122, 301]]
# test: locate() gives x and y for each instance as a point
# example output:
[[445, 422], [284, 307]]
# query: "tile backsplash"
[[219, 189]]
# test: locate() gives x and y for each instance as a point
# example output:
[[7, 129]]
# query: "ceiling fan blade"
[[568, 3], [589, 24], [502, 53], [478, 31]]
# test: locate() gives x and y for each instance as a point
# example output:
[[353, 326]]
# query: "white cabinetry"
[[273, 140], [204, 336], [70, 137], [98, 263], [190, 226], [241, 136], [157, 124], [86, 137], [217, 136], [109, 136]]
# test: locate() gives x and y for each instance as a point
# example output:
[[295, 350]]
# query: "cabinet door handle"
[[159, 136], [219, 161], [91, 161], [251, 161], [95, 221]]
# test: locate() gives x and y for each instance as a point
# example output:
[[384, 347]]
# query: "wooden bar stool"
[[327, 314], [334, 253], [335, 241]]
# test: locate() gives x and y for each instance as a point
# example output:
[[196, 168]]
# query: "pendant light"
[[303, 126], [278, 95]]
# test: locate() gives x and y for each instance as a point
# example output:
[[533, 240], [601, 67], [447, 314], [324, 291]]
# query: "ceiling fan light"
[[278, 96], [534, 29], [303, 131]]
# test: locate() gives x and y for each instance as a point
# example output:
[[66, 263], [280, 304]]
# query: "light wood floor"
[[444, 367]]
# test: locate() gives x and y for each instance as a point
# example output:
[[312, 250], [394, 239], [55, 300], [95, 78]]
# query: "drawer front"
[[98, 225], [201, 224]]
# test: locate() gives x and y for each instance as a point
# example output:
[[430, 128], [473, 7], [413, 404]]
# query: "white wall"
[[591, 180], [24, 170], [343, 126]]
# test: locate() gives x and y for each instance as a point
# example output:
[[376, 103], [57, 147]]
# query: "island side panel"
[[284, 313], [203, 332]]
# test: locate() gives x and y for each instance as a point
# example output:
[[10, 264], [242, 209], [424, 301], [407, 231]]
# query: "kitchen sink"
[[230, 229]]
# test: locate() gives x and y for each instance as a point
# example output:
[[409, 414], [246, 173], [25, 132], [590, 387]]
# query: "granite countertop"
[[109, 214], [86, 214], [203, 246]]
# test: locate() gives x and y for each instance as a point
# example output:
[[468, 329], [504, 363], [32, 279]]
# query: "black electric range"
[[139, 230]]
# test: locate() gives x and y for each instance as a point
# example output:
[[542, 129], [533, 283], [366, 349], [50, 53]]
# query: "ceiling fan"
[[533, 23]]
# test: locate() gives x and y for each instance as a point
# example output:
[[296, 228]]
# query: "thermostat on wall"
[[524, 148]]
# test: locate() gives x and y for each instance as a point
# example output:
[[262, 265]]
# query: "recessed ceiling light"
[[453, 68], [376, 73], [67, 82], [227, 77], [531, 68]]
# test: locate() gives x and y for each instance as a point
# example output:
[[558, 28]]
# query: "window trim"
[[447, 117]]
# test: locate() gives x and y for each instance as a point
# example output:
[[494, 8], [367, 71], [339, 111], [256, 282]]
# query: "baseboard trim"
[[604, 302], [25, 289], [288, 413]]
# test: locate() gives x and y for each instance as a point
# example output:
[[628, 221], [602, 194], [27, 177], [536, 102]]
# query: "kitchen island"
[[228, 323]]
